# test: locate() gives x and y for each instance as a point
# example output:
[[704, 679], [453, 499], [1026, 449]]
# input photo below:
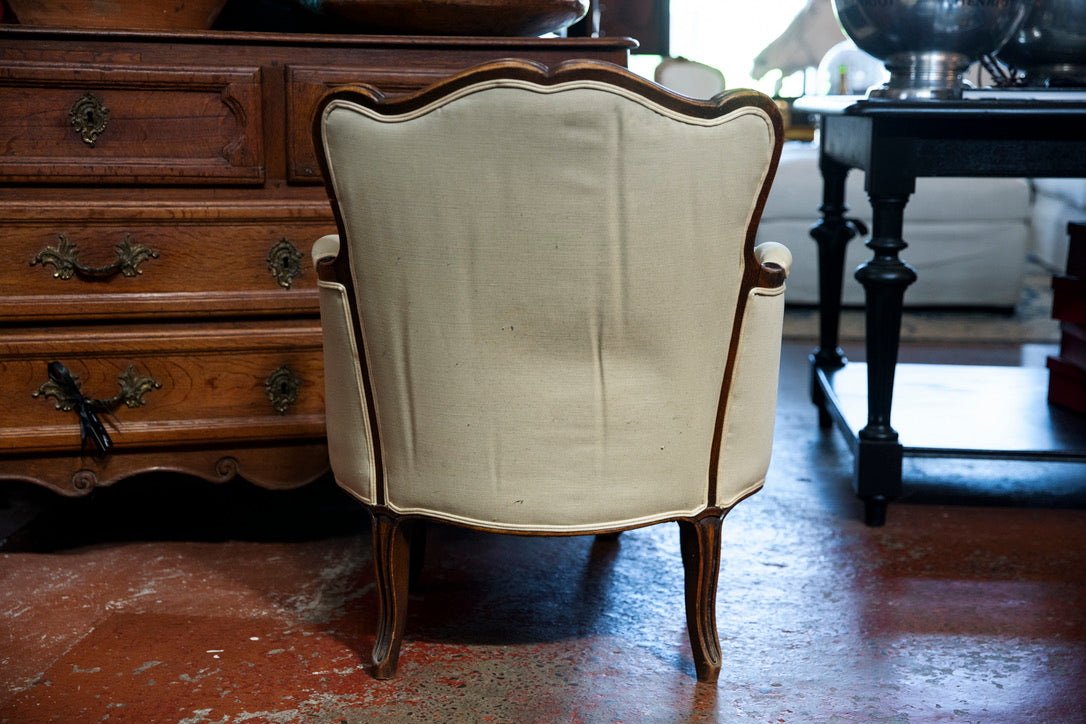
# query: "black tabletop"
[[980, 101]]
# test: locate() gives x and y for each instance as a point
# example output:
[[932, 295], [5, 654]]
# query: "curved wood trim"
[[603, 531], [275, 465], [566, 72], [755, 275]]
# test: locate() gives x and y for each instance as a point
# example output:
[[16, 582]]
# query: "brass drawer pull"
[[89, 118], [65, 389], [282, 388], [285, 262], [65, 260]]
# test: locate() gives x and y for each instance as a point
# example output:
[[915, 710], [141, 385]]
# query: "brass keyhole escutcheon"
[[282, 387], [284, 262], [89, 118]]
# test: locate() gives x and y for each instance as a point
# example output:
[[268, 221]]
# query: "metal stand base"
[[931, 75]]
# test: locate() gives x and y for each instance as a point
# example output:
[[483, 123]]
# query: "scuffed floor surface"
[[177, 601]]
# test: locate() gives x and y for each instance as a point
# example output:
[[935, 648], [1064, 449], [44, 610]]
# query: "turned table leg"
[[884, 278], [832, 234]]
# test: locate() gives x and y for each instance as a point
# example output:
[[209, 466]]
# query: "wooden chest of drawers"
[[159, 194]]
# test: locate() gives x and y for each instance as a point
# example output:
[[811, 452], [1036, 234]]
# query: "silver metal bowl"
[[1050, 44], [927, 44]]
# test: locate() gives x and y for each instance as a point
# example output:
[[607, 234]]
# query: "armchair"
[[544, 313]]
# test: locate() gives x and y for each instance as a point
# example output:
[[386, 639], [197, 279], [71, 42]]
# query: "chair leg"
[[700, 545], [392, 564]]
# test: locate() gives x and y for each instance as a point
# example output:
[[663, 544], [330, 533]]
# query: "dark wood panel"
[[306, 85], [646, 21], [160, 125]]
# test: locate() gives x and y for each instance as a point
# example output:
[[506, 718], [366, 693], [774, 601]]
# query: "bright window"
[[727, 34]]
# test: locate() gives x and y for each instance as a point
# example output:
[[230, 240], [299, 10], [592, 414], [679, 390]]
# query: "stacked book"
[[1067, 372]]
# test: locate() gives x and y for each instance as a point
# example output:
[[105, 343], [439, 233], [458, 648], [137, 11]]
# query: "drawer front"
[[166, 386], [307, 85], [129, 124], [110, 269]]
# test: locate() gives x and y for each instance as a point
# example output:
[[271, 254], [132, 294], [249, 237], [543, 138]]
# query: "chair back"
[[540, 287]]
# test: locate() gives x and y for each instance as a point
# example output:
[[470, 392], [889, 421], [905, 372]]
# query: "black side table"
[[946, 411]]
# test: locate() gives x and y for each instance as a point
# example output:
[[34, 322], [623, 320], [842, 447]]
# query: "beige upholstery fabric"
[[547, 279], [350, 442], [752, 399]]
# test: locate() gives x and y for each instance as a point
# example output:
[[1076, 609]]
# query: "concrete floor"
[[163, 600]]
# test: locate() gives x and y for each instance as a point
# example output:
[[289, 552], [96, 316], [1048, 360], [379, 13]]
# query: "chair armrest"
[[325, 249], [774, 256]]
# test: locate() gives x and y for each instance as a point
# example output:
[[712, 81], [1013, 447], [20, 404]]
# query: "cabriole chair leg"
[[392, 565], [700, 544]]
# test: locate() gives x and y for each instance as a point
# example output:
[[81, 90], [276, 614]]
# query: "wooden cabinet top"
[[91, 38]]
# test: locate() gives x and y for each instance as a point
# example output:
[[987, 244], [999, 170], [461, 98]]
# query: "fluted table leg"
[[832, 233]]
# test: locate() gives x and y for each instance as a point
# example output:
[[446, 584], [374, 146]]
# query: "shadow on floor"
[[166, 506]]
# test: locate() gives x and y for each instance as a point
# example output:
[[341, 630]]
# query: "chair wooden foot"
[[392, 564], [700, 544]]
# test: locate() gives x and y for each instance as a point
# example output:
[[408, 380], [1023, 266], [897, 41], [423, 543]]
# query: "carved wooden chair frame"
[[398, 540]]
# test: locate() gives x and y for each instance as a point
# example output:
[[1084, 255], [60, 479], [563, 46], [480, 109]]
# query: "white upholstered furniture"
[[544, 313], [968, 238], [689, 77], [1056, 201]]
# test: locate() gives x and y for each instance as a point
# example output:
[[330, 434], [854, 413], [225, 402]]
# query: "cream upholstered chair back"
[[544, 312], [689, 77]]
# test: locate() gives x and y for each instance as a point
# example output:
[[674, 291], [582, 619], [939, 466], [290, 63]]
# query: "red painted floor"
[[175, 601]]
